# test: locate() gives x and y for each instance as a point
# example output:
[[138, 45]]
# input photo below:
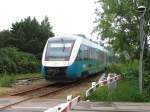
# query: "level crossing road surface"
[[41, 104]]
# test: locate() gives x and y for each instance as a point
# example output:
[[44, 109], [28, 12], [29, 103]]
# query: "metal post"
[[142, 43]]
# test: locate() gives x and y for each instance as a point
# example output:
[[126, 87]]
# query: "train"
[[73, 57]]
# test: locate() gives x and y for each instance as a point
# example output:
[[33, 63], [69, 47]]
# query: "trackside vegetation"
[[15, 61], [118, 22], [21, 49], [7, 80], [28, 35], [129, 70], [127, 88]]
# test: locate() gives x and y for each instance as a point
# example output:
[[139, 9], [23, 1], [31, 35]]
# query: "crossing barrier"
[[65, 107], [102, 82]]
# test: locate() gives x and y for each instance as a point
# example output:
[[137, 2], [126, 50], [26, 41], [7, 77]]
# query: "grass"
[[29, 75], [7, 80], [126, 90]]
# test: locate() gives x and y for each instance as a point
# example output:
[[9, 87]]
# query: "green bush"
[[126, 90], [146, 75], [146, 82], [127, 70], [14, 61], [6, 80]]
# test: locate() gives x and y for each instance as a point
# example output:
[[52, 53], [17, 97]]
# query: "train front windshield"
[[59, 50]]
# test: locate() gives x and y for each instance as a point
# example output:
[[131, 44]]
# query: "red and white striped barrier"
[[101, 83], [65, 107]]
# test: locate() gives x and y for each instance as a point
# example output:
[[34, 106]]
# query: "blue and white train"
[[69, 58]]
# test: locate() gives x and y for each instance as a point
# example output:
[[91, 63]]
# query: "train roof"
[[84, 41]]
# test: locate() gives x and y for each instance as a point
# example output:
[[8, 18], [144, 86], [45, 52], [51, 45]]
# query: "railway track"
[[26, 81], [30, 78], [41, 91], [29, 89], [37, 92], [46, 89]]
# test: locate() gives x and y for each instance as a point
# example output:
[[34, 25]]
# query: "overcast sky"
[[66, 16]]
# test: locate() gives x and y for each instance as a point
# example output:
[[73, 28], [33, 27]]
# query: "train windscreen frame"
[[59, 50]]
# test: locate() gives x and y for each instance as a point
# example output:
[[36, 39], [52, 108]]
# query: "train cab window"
[[58, 50]]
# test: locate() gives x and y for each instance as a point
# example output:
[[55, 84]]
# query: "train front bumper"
[[56, 73]]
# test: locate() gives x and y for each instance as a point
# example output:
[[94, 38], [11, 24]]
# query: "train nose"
[[56, 73], [55, 70]]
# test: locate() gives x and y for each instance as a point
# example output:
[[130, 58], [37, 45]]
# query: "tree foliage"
[[14, 61], [5, 35], [30, 36], [119, 23], [23, 44]]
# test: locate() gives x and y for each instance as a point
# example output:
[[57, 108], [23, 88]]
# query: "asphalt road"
[[42, 104]]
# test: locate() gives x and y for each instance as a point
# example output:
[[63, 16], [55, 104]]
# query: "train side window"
[[78, 58], [81, 52], [101, 56], [97, 53], [89, 53], [92, 54], [85, 52], [80, 55]]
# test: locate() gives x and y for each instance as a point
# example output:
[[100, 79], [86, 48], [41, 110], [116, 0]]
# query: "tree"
[[5, 35], [30, 36], [14, 61], [119, 23]]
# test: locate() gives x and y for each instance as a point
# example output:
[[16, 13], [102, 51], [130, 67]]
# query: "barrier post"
[[94, 85], [69, 98], [111, 82], [65, 107]]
